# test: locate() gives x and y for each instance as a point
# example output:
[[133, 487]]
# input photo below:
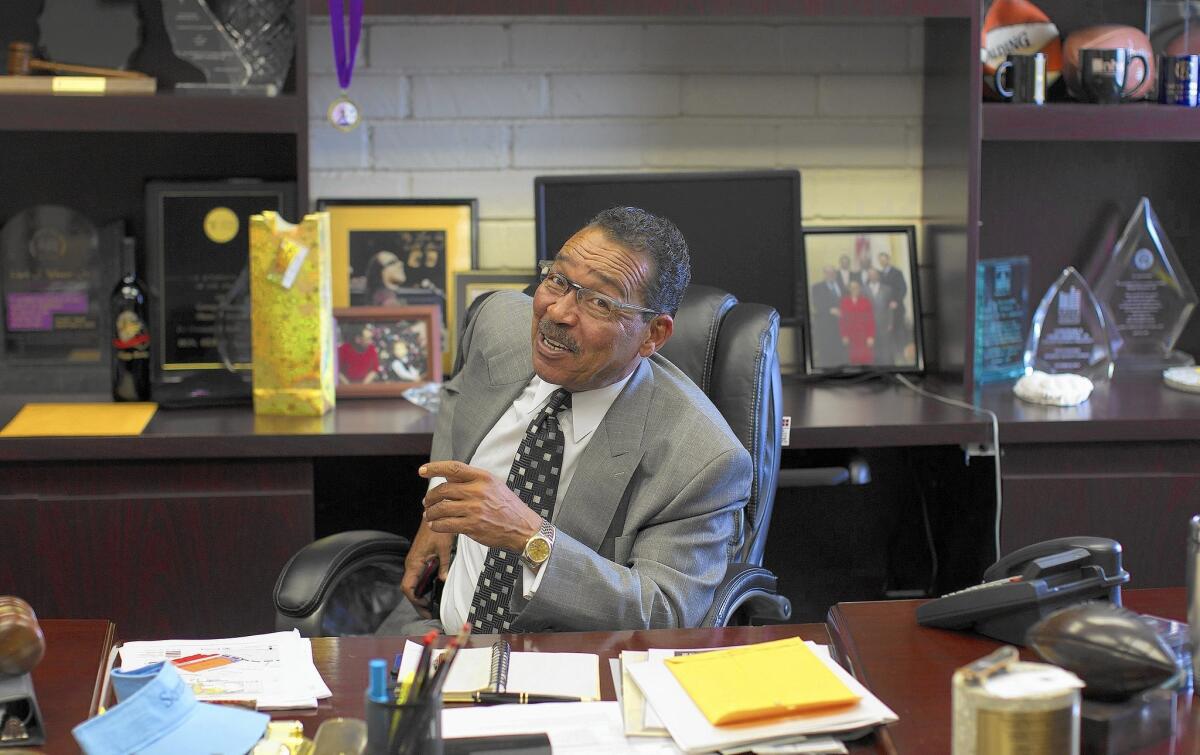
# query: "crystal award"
[[1146, 295], [1069, 333], [1001, 317]]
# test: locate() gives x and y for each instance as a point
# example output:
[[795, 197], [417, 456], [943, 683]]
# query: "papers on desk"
[[693, 732], [273, 671], [570, 674]]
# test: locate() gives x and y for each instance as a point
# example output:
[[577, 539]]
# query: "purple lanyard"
[[337, 25]]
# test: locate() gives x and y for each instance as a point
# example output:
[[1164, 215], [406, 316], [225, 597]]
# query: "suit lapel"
[[486, 396], [607, 464]]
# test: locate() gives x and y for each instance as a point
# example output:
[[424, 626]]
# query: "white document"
[[693, 733], [274, 670], [572, 727], [570, 674]]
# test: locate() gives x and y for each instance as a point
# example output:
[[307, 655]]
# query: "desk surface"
[[909, 666], [67, 681], [343, 661]]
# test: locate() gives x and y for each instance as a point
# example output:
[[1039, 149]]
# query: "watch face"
[[537, 550]]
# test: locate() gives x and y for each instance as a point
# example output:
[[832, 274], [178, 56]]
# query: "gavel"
[[21, 641], [22, 63]]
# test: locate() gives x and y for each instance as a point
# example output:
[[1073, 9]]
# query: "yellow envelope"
[[80, 419], [763, 681]]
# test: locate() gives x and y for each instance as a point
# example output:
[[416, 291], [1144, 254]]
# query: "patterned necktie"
[[534, 478]]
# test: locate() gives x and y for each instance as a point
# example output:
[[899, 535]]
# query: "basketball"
[[1018, 26], [1184, 44], [1138, 82]]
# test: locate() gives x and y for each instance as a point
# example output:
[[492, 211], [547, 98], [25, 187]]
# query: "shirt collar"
[[587, 407]]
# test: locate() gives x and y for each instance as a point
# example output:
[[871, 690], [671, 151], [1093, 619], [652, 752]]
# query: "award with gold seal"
[[343, 113]]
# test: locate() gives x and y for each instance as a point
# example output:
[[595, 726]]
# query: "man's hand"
[[427, 545], [474, 503]]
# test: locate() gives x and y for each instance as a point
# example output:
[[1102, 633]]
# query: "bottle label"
[[131, 332]]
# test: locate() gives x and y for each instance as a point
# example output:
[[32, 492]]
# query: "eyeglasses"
[[594, 303]]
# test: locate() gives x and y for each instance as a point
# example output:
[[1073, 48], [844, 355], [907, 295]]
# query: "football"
[[1139, 79], [1110, 648], [1017, 26]]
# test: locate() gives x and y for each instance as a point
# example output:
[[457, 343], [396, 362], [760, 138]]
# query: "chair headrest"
[[692, 345]]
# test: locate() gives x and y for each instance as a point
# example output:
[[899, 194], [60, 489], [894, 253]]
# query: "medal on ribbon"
[[343, 114]]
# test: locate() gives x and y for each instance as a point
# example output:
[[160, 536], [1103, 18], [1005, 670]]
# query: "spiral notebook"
[[499, 669]]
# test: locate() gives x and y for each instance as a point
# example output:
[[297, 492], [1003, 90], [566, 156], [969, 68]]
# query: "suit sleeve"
[[676, 562]]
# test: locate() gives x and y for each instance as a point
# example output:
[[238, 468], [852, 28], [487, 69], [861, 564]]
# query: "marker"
[[377, 681]]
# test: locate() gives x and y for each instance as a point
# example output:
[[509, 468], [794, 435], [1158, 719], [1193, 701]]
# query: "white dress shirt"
[[495, 454]]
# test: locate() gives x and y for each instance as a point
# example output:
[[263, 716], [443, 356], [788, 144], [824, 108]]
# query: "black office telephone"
[[1030, 583]]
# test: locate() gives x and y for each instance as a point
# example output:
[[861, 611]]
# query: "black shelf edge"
[[830, 8], [1074, 121], [158, 113]]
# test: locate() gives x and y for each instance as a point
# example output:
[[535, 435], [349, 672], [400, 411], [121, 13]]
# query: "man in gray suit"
[[652, 485]]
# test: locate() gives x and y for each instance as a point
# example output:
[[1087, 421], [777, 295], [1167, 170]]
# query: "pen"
[[501, 698]]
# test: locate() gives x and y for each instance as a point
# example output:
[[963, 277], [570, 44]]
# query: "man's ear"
[[661, 328]]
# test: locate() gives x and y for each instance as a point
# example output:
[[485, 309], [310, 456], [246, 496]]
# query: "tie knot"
[[559, 400]]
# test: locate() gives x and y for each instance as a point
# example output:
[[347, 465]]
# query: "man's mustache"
[[559, 335]]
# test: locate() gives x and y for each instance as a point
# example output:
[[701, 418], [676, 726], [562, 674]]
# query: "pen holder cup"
[[413, 728]]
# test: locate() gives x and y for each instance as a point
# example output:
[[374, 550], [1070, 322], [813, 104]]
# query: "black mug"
[[1027, 76], [1103, 73], [1179, 79]]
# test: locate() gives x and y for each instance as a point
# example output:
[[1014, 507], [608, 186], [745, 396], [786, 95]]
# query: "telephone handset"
[[1029, 583]]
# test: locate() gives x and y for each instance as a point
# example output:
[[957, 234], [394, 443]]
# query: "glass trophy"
[[1001, 314], [1069, 333], [1146, 295], [243, 47]]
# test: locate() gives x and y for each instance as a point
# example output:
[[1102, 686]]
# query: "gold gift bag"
[[291, 315]]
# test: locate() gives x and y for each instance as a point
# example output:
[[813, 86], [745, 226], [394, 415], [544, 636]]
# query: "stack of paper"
[[816, 698], [269, 671]]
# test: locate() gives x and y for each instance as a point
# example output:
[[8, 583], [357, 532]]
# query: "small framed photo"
[[863, 308], [469, 285], [383, 350], [402, 252]]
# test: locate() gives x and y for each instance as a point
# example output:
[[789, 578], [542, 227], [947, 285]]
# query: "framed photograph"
[[863, 308], [469, 285], [383, 350], [402, 252]]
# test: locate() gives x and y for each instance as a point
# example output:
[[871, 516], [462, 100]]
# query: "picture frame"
[[384, 350], [470, 284], [402, 252], [874, 329]]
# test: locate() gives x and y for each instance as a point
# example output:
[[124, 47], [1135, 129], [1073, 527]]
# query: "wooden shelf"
[[830, 8], [159, 113], [1074, 121]]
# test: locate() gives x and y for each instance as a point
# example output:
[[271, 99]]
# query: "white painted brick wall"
[[577, 47], [752, 95], [462, 106], [586, 95]]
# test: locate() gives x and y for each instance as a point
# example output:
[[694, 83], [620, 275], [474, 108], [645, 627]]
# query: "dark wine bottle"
[[131, 338]]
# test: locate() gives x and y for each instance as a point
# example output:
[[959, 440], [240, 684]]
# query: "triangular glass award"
[[1068, 333], [1145, 294]]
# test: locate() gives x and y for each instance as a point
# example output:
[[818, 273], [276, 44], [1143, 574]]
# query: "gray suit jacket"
[[654, 509]]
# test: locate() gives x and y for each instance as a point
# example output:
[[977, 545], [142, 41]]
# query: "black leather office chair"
[[347, 583]]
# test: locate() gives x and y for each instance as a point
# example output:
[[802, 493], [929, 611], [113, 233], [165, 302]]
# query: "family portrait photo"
[[383, 350], [862, 300]]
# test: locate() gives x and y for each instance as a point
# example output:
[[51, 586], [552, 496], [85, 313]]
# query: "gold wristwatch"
[[538, 547]]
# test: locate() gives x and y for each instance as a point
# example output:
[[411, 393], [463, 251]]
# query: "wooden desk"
[[343, 661], [909, 666], [67, 681]]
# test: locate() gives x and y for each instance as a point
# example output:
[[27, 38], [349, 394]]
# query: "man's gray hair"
[[642, 232]]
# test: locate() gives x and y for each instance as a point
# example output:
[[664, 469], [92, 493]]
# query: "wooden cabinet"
[[161, 547]]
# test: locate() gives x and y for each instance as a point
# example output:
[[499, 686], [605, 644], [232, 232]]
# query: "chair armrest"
[[308, 582], [747, 590]]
